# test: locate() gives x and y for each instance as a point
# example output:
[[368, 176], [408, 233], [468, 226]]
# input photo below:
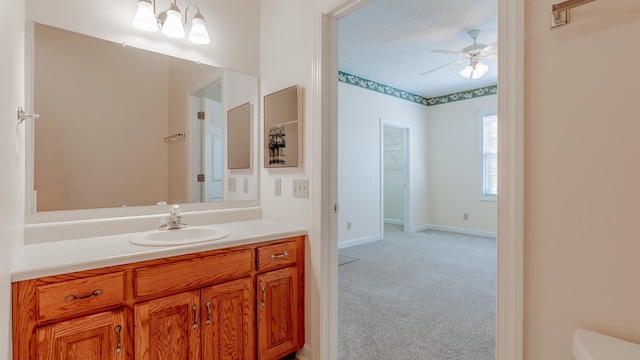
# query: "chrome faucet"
[[175, 220]]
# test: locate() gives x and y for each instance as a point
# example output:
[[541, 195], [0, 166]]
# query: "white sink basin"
[[187, 235]]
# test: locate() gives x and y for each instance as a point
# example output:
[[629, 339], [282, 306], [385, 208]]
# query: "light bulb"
[[466, 72], [145, 19], [198, 33], [172, 25]]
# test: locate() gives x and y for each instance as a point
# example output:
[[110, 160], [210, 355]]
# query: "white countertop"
[[59, 257]]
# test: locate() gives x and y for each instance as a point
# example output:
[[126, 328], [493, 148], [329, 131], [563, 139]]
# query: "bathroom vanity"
[[241, 297]]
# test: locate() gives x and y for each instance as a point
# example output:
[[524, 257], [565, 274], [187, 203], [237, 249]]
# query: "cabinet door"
[[168, 328], [94, 337], [278, 313], [228, 321]]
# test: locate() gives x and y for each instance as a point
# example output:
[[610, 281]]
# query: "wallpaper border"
[[401, 94]]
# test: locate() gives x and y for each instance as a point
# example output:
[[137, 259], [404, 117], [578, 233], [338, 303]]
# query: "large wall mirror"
[[125, 127]]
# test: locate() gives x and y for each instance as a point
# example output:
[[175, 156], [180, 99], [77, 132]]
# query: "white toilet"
[[588, 345]]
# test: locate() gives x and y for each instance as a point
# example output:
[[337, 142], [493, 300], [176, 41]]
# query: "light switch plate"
[[232, 184], [246, 185], [301, 188]]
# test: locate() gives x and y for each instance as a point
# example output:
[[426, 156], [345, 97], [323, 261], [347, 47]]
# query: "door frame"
[[510, 230], [406, 130]]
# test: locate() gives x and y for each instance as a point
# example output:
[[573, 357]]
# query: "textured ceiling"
[[390, 42]]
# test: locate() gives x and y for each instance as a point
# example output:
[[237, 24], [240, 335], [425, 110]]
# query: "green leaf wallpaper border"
[[401, 94]]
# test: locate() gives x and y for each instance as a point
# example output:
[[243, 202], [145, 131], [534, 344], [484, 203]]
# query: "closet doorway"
[[395, 170]]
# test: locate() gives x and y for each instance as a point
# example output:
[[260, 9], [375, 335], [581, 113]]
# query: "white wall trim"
[[361, 241], [323, 305], [459, 230], [420, 228], [393, 221], [510, 239]]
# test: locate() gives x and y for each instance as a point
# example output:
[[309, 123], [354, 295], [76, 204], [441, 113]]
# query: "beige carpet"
[[427, 295]]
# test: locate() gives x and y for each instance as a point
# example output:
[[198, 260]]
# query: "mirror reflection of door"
[[211, 144]]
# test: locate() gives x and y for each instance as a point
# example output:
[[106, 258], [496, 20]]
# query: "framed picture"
[[282, 128]]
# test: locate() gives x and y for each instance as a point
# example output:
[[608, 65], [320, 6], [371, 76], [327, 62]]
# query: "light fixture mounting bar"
[[560, 12]]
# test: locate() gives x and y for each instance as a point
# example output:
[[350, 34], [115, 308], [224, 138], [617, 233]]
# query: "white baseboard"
[[354, 242], [394, 221], [420, 228], [459, 230]]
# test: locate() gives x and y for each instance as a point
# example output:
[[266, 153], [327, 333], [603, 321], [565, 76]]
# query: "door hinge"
[[200, 177], [200, 115], [335, 208]]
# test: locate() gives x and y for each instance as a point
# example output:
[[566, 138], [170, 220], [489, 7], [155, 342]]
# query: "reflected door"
[[211, 144]]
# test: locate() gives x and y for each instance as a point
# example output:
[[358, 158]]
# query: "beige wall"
[[359, 175], [582, 176], [455, 165]]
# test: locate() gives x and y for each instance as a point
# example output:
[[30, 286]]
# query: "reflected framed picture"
[[282, 128], [239, 137]]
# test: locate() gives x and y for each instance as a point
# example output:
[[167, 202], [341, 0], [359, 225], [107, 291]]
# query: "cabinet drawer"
[[81, 296], [277, 256], [191, 274]]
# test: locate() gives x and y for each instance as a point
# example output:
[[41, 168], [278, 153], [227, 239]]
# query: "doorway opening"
[[400, 199], [395, 168], [509, 293]]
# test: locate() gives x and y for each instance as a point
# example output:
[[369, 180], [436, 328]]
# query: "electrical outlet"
[[301, 188], [278, 187], [232, 184], [465, 216], [348, 225]]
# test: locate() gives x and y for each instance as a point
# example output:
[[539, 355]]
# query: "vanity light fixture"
[[475, 70], [171, 22]]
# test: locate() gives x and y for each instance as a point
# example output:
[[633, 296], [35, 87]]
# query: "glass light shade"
[[172, 26], [474, 72], [198, 33], [479, 71], [466, 72], [145, 19]]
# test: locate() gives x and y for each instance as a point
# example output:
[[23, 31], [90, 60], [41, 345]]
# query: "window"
[[489, 187]]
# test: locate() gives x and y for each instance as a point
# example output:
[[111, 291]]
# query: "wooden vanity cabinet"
[[212, 323], [195, 306], [280, 300], [100, 336], [167, 328]]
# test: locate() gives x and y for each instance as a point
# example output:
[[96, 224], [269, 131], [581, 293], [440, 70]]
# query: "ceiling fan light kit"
[[472, 53], [475, 71]]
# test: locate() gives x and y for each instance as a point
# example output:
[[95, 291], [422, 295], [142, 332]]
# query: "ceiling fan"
[[471, 54]]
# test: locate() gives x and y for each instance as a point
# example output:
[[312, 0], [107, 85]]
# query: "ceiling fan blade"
[[492, 56], [491, 48], [450, 52], [443, 66]]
